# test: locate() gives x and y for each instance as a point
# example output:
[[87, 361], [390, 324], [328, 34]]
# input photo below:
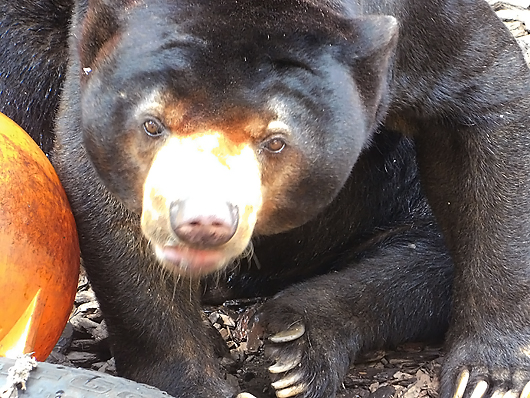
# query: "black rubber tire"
[[56, 381]]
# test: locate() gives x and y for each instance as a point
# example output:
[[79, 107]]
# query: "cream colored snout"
[[201, 198]]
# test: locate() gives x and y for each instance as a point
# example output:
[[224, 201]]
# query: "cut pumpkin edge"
[[21, 338]]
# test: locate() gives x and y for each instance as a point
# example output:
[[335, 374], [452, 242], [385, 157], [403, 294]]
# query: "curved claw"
[[286, 382], [286, 365], [294, 332], [291, 391], [480, 389], [462, 384], [245, 395]]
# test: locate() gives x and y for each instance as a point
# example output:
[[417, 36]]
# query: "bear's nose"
[[203, 224]]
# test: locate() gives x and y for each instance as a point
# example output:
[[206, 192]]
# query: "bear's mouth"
[[190, 261]]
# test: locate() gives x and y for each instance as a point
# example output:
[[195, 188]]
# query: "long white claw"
[[510, 394], [480, 389], [245, 395], [286, 381], [291, 391], [294, 332], [526, 391], [281, 367], [462, 384]]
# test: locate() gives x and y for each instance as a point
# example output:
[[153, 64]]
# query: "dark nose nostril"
[[202, 225]]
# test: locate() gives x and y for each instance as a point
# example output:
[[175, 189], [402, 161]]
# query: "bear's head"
[[221, 120]]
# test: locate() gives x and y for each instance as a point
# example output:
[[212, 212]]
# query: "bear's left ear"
[[368, 47], [372, 35]]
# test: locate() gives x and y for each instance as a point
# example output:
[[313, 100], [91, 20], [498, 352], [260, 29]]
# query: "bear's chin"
[[191, 262]]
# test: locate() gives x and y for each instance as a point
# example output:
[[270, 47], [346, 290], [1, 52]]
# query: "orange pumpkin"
[[39, 250]]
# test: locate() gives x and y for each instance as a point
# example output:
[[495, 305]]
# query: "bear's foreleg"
[[400, 291]]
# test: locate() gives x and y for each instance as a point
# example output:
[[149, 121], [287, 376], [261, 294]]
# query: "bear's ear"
[[372, 35], [369, 51], [99, 24]]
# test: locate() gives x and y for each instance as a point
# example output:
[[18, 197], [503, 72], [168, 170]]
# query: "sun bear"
[[292, 148]]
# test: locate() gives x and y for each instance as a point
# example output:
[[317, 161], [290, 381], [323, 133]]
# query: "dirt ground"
[[410, 371]]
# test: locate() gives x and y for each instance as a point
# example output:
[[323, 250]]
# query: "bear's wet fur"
[[333, 111]]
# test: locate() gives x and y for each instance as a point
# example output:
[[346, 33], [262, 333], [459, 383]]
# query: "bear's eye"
[[274, 145], [153, 128]]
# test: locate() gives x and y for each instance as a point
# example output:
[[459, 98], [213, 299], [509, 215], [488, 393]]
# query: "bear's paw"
[[487, 370], [308, 358]]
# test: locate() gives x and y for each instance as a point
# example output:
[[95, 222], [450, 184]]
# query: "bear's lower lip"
[[189, 261]]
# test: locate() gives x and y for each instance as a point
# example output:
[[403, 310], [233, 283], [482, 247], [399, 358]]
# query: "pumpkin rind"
[[39, 249]]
